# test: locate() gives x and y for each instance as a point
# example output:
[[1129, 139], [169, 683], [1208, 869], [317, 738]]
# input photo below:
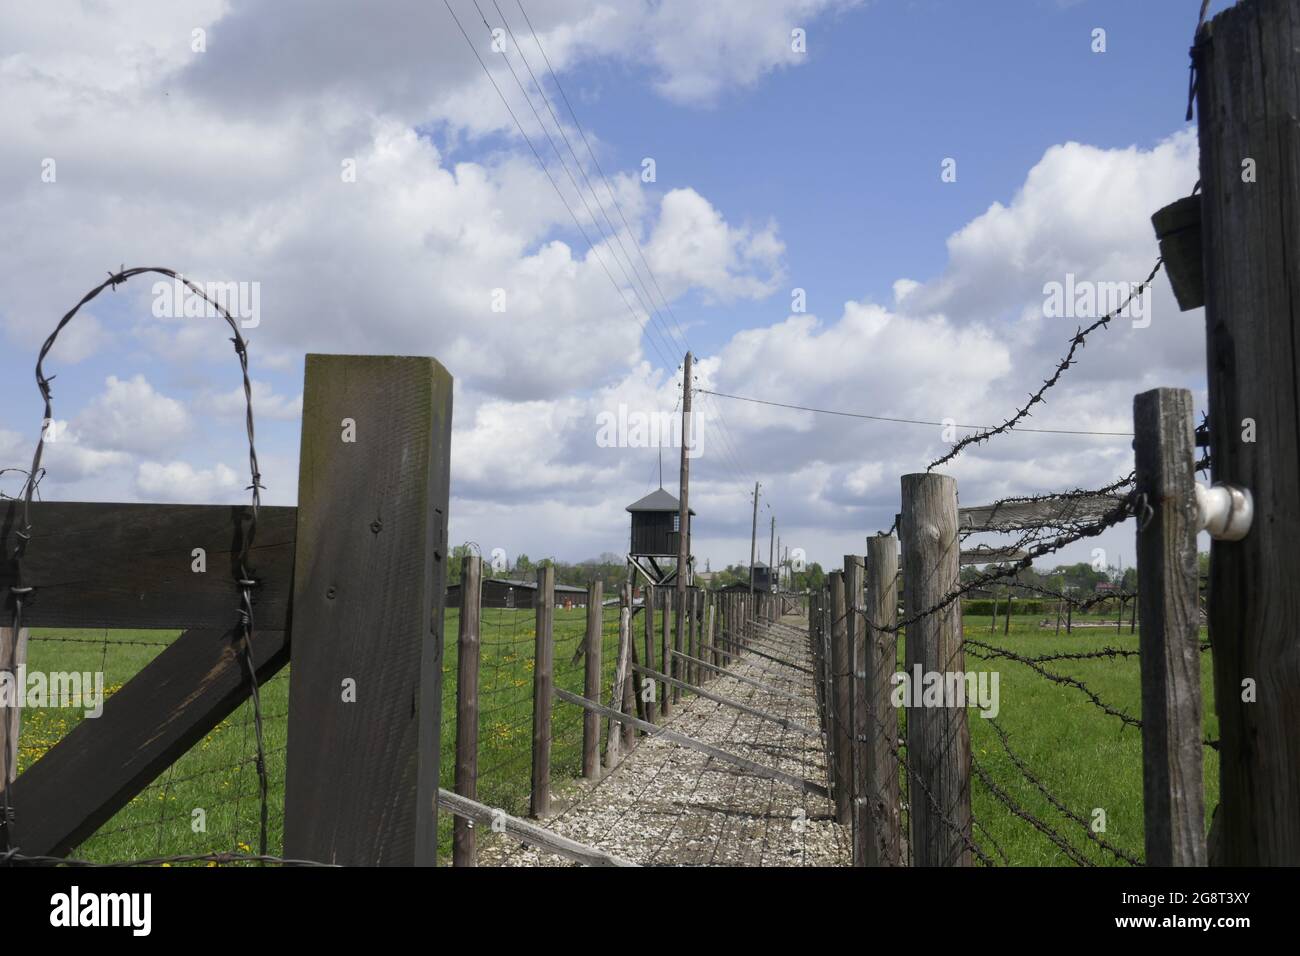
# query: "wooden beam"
[[595, 641], [884, 812], [168, 707], [743, 679], [1248, 101], [1172, 779], [855, 612], [1023, 515], [747, 649], [613, 736], [717, 753], [369, 591], [526, 832], [134, 566], [841, 731], [785, 722], [987, 555]]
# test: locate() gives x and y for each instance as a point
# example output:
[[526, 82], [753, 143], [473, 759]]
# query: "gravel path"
[[667, 805]]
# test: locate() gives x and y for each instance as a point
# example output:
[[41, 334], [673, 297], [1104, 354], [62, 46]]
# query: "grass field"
[[1089, 759]]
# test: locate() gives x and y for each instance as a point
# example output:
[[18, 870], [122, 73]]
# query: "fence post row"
[[884, 838], [839, 686], [938, 738], [1247, 101], [463, 849], [854, 605]]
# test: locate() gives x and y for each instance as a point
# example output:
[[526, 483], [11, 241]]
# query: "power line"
[[907, 421]]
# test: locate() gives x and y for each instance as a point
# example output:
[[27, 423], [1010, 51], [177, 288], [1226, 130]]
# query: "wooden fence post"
[[711, 600], [591, 678], [632, 703], [1172, 778], [463, 850], [649, 602], [854, 606], [884, 843], [1247, 60], [369, 590], [669, 661], [13, 656], [539, 803], [617, 697], [1006, 618], [839, 688], [938, 738]]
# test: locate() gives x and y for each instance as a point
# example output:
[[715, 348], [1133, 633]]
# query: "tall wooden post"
[[938, 738], [13, 656], [539, 804], [1247, 60], [884, 841], [840, 719], [684, 524], [1172, 782], [369, 591], [617, 697], [591, 678], [467, 666], [651, 708], [665, 699], [753, 543], [854, 606]]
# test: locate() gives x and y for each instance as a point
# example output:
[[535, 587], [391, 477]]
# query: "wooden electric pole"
[[683, 511], [753, 545]]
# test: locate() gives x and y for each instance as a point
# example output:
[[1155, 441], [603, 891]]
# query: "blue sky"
[[224, 164]]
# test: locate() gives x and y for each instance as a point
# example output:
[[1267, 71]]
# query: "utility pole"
[[771, 549], [753, 545], [683, 510]]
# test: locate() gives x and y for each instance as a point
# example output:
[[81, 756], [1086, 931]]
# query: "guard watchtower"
[[656, 529]]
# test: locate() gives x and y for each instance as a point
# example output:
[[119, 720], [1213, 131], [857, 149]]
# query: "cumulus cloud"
[[131, 416], [179, 481]]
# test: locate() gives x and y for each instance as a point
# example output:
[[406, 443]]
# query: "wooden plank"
[[463, 848], [785, 722], [1022, 515], [884, 812], [1248, 102], [938, 738], [717, 753], [1173, 793], [989, 555], [526, 832], [133, 565], [167, 708], [591, 678], [369, 591], [768, 688], [539, 801]]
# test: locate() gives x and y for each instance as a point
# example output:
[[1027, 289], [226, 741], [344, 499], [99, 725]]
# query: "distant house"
[[508, 593]]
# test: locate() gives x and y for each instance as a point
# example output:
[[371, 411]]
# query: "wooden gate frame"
[[357, 571]]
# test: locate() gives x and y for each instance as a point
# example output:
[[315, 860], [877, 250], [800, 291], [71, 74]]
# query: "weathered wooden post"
[[1172, 778], [13, 656], [632, 703], [1247, 60], [855, 607], [463, 851], [617, 698], [669, 661], [539, 804], [368, 597], [651, 708], [591, 678], [938, 738], [884, 841], [840, 685], [1006, 617]]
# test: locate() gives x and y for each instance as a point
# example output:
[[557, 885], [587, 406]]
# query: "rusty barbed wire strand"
[[245, 622], [1046, 829], [1080, 338]]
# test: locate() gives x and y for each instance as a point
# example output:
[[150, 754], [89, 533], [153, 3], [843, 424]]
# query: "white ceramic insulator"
[[1225, 511]]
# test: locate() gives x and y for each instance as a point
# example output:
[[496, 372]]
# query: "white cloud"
[[179, 481], [129, 415]]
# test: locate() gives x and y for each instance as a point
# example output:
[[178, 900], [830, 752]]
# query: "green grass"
[[1086, 757]]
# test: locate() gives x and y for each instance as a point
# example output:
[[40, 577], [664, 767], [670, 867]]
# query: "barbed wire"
[[219, 859], [1079, 339]]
